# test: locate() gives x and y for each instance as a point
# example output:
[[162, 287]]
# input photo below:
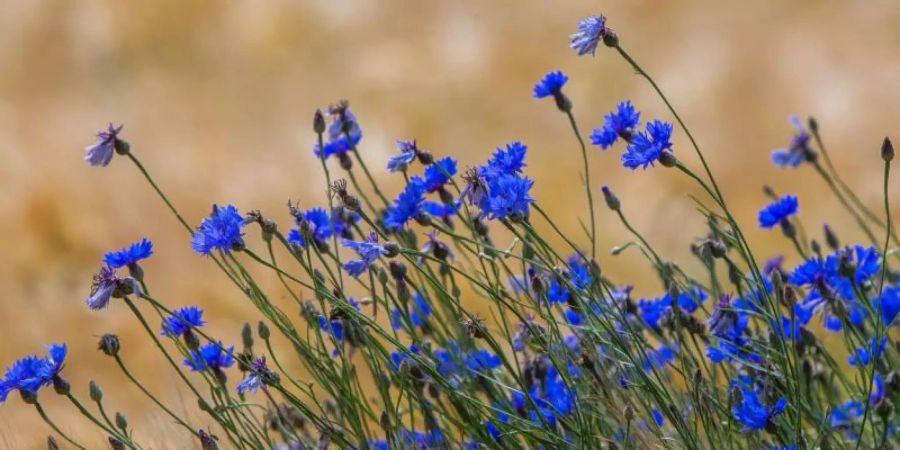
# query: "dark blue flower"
[[778, 211], [220, 231], [751, 412], [101, 153], [182, 321], [439, 173], [418, 313], [482, 360], [889, 304], [508, 196], [440, 210], [129, 255], [211, 356], [660, 357], [646, 148], [29, 374], [550, 85], [407, 206], [505, 161], [408, 153], [369, 251], [617, 124], [798, 149], [869, 353], [590, 31]]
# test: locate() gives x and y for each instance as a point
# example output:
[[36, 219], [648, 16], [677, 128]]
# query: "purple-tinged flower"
[[407, 206], [107, 285], [797, 151], [408, 153], [646, 148], [369, 251], [183, 321], [259, 373], [211, 356], [778, 211], [101, 153], [344, 133], [220, 231], [550, 85], [129, 255], [439, 173], [619, 124], [590, 31]]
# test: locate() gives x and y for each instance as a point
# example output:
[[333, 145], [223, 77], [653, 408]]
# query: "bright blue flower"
[[751, 412], [418, 313], [507, 196], [408, 153], [646, 147], [101, 153], [778, 211], [867, 354], [482, 360], [211, 356], [220, 231], [439, 173], [550, 85], [660, 357], [439, 210], [183, 321], [30, 373], [843, 416], [407, 206], [129, 255], [796, 152], [590, 31], [889, 304], [616, 124], [658, 417], [369, 251], [323, 225], [505, 161]]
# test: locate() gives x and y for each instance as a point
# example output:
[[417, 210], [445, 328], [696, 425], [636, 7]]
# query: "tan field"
[[217, 100]]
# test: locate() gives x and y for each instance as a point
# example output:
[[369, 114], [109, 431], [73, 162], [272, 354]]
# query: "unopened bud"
[[813, 124], [51, 443], [610, 38], [887, 150], [319, 122], [391, 249], [61, 386], [611, 200], [122, 147], [121, 421], [263, 331], [95, 392], [667, 158], [831, 239], [116, 444], [247, 336]]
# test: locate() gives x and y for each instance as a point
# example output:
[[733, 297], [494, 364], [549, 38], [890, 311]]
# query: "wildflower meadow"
[[748, 353]]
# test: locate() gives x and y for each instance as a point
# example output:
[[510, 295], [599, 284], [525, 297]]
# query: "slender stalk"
[[43, 414], [587, 182]]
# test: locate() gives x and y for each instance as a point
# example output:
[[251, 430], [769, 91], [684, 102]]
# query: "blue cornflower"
[[369, 251], [418, 313], [344, 133], [407, 206], [889, 304], [869, 353], [482, 360], [211, 356], [259, 373], [398, 357], [220, 231], [843, 416], [778, 211], [508, 196], [590, 31], [182, 321], [505, 161], [439, 173], [727, 323], [440, 210], [646, 148], [550, 85], [751, 412], [323, 225], [129, 255], [617, 124], [29, 374], [658, 358], [798, 149], [408, 153], [101, 153]]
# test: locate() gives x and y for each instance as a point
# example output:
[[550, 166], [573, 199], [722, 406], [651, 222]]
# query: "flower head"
[[101, 153], [590, 31], [751, 412], [778, 211], [107, 285], [797, 151], [408, 153], [407, 206], [550, 85], [220, 231], [29, 374], [505, 161], [344, 133], [129, 255], [369, 251], [508, 196], [863, 356], [439, 173], [620, 123], [182, 321], [646, 148], [259, 373], [211, 356]]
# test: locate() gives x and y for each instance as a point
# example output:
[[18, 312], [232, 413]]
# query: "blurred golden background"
[[217, 100]]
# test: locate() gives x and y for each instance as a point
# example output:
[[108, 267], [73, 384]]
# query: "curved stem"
[[44, 416]]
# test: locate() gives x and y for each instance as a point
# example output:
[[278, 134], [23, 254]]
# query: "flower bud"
[[831, 239], [61, 386], [887, 150], [610, 38], [667, 158], [247, 336], [263, 331], [611, 200], [121, 421], [122, 147], [28, 396], [207, 441], [95, 392], [391, 249], [116, 444], [319, 122], [813, 124], [51, 443]]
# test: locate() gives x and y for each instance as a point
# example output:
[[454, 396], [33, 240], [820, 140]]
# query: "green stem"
[[44, 416], [587, 182]]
